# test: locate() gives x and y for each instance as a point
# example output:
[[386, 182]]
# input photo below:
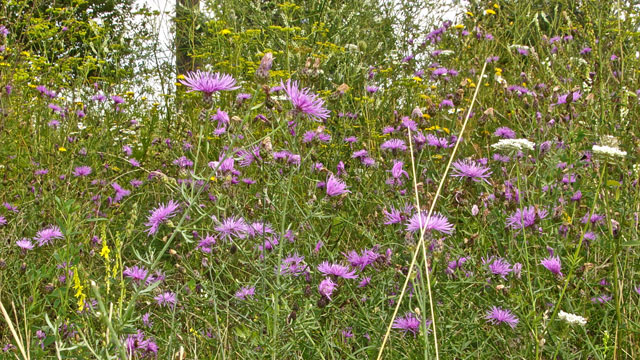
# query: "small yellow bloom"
[[459, 26], [180, 77], [496, 6], [417, 79], [489, 11], [469, 13], [213, 178], [225, 32], [62, 149]]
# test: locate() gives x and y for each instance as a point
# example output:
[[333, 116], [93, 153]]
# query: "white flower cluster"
[[572, 318], [608, 151], [513, 144]]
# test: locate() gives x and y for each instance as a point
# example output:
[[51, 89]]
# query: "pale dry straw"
[[422, 230]]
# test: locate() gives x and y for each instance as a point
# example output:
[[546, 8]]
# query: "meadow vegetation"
[[335, 180]]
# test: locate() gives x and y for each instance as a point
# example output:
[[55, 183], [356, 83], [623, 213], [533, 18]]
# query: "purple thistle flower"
[[446, 103], [388, 130], [167, 299], [205, 244], [364, 282], [505, 133], [367, 258], [117, 99], [470, 170], [371, 89], [120, 192], [304, 102], [160, 215], [584, 51], [293, 265], [183, 162], [393, 144], [437, 222], [525, 217], [82, 171], [136, 273], [553, 264], [393, 217], [48, 234], [604, 298], [326, 288], [595, 218], [336, 270], [498, 315], [221, 117], [397, 171], [245, 292], [335, 186], [409, 323], [3, 221], [359, 154], [440, 143], [500, 267], [146, 320], [232, 227], [208, 83], [25, 244]]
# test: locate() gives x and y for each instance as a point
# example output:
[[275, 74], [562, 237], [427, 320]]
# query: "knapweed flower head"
[[326, 288], [572, 318], [310, 105], [394, 145], [437, 222], [553, 264], [360, 261], [499, 266], [232, 227], [48, 234], [208, 83], [470, 170], [82, 171], [337, 270], [513, 144], [497, 316], [167, 299], [206, 244], [245, 292], [25, 244], [525, 217], [335, 186], [293, 265], [136, 273], [409, 323], [141, 346], [505, 133], [160, 215]]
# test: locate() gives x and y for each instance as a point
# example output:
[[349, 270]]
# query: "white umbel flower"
[[513, 144], [608, 151], [572, 318]]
